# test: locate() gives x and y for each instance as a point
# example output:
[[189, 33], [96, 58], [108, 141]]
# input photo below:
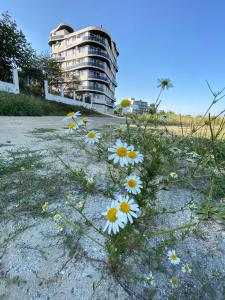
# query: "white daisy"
[[59, 228], [172, 256], [127, 207], [174, 281], [150, 279], [57, 217], [134, 156], [45, 206], [173, 175], [186, 268], [92, 137], [71, 127], [119, 151], [125, 105], [86, 120], [133, 184], [71, 116], [115, 220]]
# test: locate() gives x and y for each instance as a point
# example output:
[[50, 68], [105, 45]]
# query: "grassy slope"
[[24, 105]]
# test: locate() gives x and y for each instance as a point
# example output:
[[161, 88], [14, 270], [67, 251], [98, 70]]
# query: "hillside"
[[24, 105]]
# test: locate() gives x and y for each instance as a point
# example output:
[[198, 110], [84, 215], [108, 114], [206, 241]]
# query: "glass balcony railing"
[[55, 37], [87, 63], [92, 87], [95, 39], [98, 52], [95, 76], [59, 58]]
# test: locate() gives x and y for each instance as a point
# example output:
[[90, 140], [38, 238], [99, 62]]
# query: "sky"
[[183, 40]]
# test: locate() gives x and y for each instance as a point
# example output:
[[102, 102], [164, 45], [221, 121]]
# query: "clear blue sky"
[[183, 40]]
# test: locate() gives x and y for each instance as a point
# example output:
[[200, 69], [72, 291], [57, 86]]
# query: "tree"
[[15, 51], [71, 83]]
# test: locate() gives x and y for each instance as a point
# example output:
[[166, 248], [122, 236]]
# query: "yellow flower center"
[[132, 154], [174, 257], [45, 205], [132, 183], [57, 217], [72, 125], [125, 207], [91, 135], [165, 82], [125, 103], [70, 114], [174, 280], [121, 151], [111, 214], [85, 119]]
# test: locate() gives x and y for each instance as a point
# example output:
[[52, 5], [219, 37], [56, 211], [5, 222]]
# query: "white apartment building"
[[92, 54], [139, 106]]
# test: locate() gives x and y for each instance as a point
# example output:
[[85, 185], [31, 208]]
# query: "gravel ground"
[[37, 264]]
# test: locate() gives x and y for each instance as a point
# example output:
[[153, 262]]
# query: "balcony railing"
[[102, 53], [59, 58], [100, 77], [95, 39], [55, 37], [92, 87], [98, 52], [87, 63]]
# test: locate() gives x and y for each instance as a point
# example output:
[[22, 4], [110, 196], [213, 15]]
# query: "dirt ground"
[[36, 262]]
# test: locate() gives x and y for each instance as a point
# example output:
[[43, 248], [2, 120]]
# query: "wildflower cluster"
[[75, 123]]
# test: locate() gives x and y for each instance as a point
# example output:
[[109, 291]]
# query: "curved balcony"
[[54, 38], [114, 82], [94, 88], [88, 64], [98, 53], [59, 58], [94, 39], [103, 54], [91, 87], [98, 77]]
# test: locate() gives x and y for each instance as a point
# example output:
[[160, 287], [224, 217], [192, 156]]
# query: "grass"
[[24, 105]]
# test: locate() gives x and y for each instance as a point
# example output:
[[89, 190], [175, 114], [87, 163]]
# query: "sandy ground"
[[35, 262], [16, 130]]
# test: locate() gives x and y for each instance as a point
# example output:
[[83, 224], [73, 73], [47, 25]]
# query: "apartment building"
[[92, 55], [139, 106]]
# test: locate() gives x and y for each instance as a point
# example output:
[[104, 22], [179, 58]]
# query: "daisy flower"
[[127, 207], [71, 116], [134, 156], [173, 175], [174, 281], [86, 120], [150, 279], [172, 256], [92, 137], [57, 217], [133, 184], [59, 228], [119, 153], [186, 268], [164, 84], [71, 127], [115, 220], [125, 105], [45, 206]]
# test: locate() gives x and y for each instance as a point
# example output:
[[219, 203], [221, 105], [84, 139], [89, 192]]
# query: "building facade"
[[92, 56], [139, 106]]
